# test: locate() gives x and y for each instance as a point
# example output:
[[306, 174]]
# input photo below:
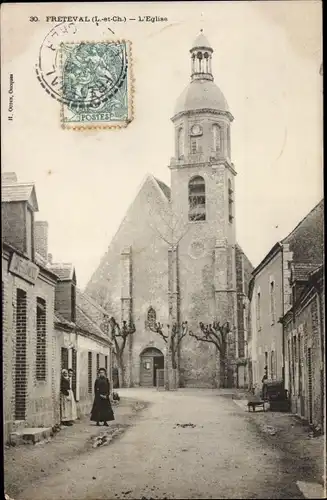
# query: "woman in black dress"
[[101, 410]]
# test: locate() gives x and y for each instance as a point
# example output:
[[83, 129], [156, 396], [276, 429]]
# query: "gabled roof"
[[164, 188], [307, 238], [244, 255], [64, 271], [58, 318], [84, 323], [20, 192], [82, 296]]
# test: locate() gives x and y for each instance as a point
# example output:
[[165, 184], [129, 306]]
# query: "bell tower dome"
[[201, 117]]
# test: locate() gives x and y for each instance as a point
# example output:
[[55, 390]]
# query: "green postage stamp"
[[97, 85]]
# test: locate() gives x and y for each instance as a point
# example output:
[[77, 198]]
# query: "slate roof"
[[164, 188], [307, 238], [64, 271], [19, 192], [58, 318], [87, 325]]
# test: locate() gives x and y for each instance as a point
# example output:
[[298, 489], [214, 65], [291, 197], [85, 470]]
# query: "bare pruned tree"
[[177, 335], [120, 335], [217, 335]]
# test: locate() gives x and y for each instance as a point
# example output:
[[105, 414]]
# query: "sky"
[[266, 60]]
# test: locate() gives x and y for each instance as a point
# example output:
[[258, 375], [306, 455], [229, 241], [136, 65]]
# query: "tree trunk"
[[173, 354], [121, 371], [169, 365], [223, 367]]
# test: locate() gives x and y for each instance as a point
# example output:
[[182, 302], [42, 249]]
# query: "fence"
[[161, 379]]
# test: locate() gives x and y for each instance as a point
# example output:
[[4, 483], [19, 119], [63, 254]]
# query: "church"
[[175, 257]]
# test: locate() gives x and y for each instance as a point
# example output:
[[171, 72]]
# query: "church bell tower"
[[202, 199]]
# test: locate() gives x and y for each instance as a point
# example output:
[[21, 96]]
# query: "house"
[[45, 324], [175, 256], [271, 294], [81, 344], [304, 343], [28, 295]]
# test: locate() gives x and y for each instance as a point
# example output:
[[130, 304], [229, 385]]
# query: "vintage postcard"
[[163, 299]]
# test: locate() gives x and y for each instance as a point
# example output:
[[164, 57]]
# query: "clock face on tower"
[[196, 130]]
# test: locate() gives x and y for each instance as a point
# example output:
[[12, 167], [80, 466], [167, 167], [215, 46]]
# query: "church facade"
[[175, 257]]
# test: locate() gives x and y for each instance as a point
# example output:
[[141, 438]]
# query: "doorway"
[[151, 360]]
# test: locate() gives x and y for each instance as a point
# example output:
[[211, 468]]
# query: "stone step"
[[30, 435]]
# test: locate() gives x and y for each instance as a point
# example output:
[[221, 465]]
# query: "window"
[[272, 303], [197, 199], [89, 366], [64, 358], [41, 339], [180, 142], [106, 363], [216, 138], [20, 362], [230, 201], [98, 362], [258, 311], [152, 317]]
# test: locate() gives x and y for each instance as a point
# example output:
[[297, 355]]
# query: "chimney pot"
[[50, 258]]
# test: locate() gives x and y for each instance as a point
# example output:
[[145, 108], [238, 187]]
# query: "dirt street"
[[185, 444]]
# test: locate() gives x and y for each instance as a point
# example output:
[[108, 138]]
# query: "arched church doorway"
[[151, 360]]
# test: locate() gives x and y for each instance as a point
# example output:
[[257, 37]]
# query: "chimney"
[[50, 258], [41, 238], [8, 178]]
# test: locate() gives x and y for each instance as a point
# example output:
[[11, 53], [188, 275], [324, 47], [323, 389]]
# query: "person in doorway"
[[65, 406], [71, 395], [265, 376], [102, 410]]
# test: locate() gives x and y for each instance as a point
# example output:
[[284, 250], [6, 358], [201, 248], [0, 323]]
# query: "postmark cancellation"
[[97, 84]]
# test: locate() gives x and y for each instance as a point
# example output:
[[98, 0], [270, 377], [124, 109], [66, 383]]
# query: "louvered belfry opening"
[[197, 199]]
